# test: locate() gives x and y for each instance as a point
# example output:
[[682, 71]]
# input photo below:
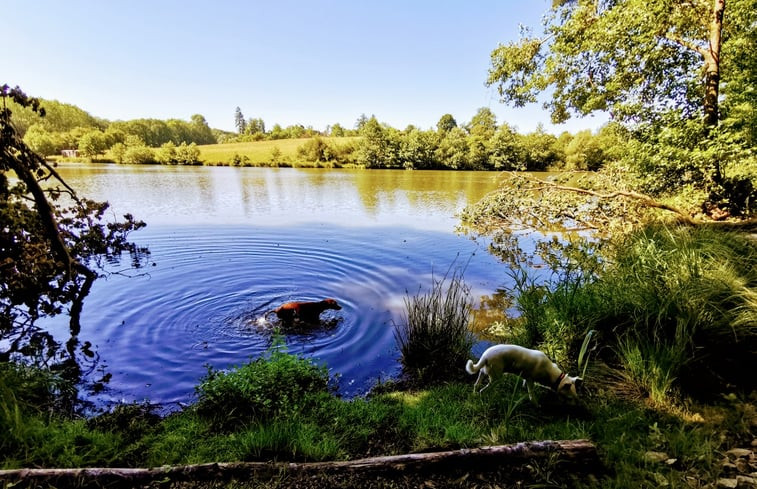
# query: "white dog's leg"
[[478, 381], [530, 387]]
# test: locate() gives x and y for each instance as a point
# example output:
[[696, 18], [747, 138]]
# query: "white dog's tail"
[[472, 368]]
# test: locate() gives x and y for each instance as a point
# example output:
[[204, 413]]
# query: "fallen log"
[[578, 456]]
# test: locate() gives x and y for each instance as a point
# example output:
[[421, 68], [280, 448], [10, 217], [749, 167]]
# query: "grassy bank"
[[313, 425], [673, 309], [281, 152]]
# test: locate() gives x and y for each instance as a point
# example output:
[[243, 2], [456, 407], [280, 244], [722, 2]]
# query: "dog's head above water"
[[331, 304]]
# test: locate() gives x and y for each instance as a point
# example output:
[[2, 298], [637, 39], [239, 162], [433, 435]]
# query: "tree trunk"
[[572, 456], [712, 65], [712, 76]]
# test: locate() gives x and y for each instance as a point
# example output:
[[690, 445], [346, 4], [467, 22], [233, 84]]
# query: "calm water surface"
[[229, 244]]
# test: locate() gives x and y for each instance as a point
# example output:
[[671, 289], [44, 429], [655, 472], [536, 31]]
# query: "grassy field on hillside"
[[279, 152]]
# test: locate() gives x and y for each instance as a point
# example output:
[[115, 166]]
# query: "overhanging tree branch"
[[647, 201], [642, 198]]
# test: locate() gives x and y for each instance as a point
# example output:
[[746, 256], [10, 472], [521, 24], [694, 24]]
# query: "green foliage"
[[677, 154], [483, 123], [138, 154], [692, 292], [417, 150], [239, 121], [453, 149], [443, 418], [58, 117], [446, 123], [337, 131], [433, 337], [539, 150], [154, 132], [477, 145], [378, 147], [674, 308], [92, 144], [184, 154], [42, 142], [557, 203], [631, 58], [584, 152], [507, 152], [319, 150], [661, 68], [65, 126], [36, 422], [276, 385]]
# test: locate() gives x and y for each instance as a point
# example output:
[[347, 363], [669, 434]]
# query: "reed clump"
[[433, 336]]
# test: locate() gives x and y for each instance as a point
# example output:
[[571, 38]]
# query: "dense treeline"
[[67, 127], [480, 144]]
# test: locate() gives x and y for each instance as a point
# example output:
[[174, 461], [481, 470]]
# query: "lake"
[[230, 244]]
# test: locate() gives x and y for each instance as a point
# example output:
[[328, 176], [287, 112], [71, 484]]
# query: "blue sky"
[[289, 62]]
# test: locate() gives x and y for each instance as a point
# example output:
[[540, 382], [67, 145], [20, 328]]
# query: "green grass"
[[440, 418], [281, 152], [275, 385], [673, 308]]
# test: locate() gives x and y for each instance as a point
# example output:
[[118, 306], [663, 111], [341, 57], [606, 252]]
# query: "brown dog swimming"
[[307, 312]]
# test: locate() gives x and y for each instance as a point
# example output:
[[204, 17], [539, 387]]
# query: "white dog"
[[532, 365]]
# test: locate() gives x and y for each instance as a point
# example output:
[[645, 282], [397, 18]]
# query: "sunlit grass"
[[441, 418], [280, 152], [673, 308]]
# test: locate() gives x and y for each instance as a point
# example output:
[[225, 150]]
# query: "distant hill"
[[59, 117]]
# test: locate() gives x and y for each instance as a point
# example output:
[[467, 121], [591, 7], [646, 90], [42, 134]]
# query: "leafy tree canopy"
[[676, 77], [59, 117], [636, 59]]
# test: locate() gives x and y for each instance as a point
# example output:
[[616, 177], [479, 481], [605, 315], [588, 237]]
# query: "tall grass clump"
[[686, 298], [278, 384], [674, 308], [555, 315], [433, 337]]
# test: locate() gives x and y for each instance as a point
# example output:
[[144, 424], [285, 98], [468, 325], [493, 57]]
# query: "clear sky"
[[314, 62]]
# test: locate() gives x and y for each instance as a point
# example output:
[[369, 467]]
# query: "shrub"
[[35, 390], [138, 155], [433, 337], [274, 385]]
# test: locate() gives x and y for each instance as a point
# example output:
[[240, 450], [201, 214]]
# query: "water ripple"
[[204, 302]]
